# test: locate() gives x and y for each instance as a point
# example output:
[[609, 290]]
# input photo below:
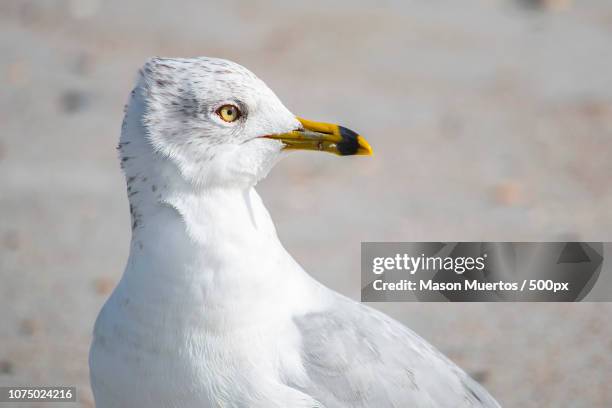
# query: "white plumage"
[[211, 310]]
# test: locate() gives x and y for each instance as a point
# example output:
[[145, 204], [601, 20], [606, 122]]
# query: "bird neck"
[[174, 221], [218, 252], [211, 216]]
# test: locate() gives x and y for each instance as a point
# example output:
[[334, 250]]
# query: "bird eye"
[[229, 113]]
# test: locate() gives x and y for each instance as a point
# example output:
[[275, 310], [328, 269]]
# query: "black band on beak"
[[349, 143]]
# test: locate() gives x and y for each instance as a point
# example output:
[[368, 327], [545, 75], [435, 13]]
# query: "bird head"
[[219, 124]]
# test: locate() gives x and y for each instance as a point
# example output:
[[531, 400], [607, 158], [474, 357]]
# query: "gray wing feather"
[[356, 356]]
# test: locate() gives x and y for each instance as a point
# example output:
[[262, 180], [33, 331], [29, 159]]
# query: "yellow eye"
[[229, 113]]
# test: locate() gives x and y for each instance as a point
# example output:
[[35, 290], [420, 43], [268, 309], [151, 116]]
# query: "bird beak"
[[324, 137]]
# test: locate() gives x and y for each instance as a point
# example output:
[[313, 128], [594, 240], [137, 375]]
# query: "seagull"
[[211, 310]]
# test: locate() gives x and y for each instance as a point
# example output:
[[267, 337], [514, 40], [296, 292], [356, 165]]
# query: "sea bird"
[[211, 310]]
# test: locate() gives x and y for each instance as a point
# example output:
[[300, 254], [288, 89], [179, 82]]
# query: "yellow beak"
[[324, 137]]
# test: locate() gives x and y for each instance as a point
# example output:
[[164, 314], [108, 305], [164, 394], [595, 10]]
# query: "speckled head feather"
[[172, 116]]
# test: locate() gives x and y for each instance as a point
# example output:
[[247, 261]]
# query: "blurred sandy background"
[[490, 120]]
